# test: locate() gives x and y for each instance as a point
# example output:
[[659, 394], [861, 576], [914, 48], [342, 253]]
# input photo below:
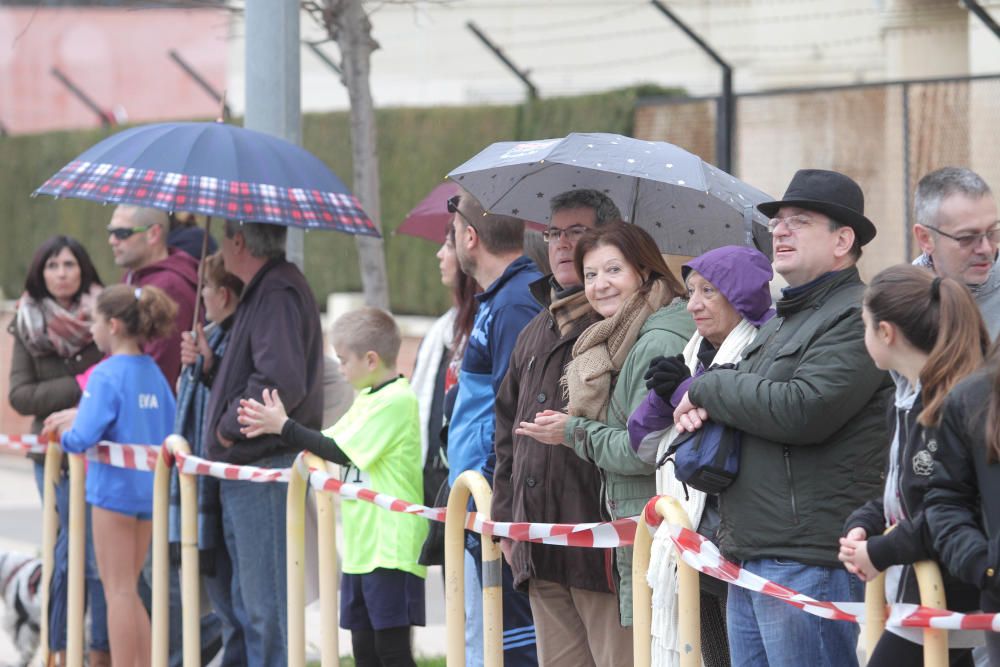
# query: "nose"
[[694, 303], [986, 246]]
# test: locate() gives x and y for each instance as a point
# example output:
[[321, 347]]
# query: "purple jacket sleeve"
[[647, 424]]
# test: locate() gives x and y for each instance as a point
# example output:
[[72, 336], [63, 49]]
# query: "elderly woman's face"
[[714, 316], [608, 279]]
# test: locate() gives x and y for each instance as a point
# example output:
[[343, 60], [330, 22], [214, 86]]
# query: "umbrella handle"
[[201, 278]]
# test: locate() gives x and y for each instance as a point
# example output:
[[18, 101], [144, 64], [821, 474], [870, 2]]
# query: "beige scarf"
[[601, 350], [569, 310]]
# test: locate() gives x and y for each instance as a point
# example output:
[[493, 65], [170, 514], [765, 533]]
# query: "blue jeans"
[[253, 522], [221, 590], [765, 631], [60, 575]]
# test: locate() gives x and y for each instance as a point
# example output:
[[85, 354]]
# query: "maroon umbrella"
[[429, 219]]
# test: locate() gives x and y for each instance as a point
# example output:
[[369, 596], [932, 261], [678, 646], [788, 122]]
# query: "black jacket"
[[963, 502], [276, 342], [910, 541]]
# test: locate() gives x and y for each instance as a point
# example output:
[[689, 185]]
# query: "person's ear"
[[924, 238], [887, 332], [845, 241], [371, 360], [115, 326]]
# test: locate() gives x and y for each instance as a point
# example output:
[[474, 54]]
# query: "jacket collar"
[[259, 276], [520, 264], [817, 291]]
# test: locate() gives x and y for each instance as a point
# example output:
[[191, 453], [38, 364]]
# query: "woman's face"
[[448, 262], [714, 316], [62, 276], [218, 305], [608, 279]]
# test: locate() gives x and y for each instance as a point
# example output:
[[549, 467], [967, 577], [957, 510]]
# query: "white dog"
[[20, 586]]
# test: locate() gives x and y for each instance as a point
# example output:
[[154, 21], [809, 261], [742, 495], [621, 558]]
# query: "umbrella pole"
[[201, 277]]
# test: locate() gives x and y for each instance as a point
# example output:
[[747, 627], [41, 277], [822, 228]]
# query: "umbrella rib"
[[514, 185]]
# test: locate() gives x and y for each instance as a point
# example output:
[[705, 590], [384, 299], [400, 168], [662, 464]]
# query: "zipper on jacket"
[[791, 484]]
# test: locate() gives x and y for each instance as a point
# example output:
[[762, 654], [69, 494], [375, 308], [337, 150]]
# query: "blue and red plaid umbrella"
[[213, 169]]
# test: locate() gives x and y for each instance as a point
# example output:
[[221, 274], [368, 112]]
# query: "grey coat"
[[811, 405]]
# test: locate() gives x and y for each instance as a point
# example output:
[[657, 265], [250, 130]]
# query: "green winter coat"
[[628, 483], [811, 405]]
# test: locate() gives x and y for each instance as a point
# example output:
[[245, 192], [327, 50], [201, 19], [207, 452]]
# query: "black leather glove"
[[665, 373]]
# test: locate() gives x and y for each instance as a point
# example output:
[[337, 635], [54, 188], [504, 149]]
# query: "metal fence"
[[884, 135]]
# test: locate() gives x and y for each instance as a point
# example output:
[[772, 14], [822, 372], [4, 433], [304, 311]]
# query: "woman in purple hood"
[[729, 298]]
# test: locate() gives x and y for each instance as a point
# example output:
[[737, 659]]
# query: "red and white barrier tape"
[[22, 444], [703, 556], [598, 535], [694, 549], [189, 464]]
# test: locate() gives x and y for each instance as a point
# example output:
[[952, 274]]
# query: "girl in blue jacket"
[[127, 400]]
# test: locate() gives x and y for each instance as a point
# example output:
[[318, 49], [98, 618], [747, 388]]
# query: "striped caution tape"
[[189, 464], [703, 556], [597, 535], [22, 444]]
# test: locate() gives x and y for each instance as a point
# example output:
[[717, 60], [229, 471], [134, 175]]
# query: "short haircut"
[[34, 285], [216, 274], [142, 216], [263, 240], [368, 330], [605, 210], [499, 234], [938, 185]]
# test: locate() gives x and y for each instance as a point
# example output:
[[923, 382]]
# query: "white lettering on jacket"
[[148, 402]]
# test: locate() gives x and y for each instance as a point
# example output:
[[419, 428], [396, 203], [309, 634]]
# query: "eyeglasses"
[[793, 223], [968, 241], [122, 233], [453, 208], [572, 234]]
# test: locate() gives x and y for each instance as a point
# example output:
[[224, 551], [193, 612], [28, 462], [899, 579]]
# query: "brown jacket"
[[40, 386], [539, 482]]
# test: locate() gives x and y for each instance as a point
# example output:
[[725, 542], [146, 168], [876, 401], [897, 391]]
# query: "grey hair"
[[938, 185], [605, 210], [263, 240]]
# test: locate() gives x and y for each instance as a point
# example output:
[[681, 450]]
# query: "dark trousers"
[[894, 651]]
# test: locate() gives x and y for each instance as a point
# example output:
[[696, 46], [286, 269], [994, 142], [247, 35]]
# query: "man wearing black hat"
[[811, 407]]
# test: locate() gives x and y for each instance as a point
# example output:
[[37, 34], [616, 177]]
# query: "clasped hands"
[[854, 554], [663, 377]]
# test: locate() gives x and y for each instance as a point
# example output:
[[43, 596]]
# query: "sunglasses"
[[453, 208], [122, 233]]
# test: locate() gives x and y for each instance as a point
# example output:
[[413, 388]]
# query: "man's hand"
[[57, 423], [854, 555], [194, 345], [507, 548], [688, 417], [262, 418], [548, 427]]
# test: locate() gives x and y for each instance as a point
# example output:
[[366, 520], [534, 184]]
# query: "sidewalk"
[[21, 531]]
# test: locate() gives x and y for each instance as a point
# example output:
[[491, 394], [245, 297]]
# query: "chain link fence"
[[885, 136]]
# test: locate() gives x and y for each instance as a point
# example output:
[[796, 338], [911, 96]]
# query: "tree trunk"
[[348, 24]]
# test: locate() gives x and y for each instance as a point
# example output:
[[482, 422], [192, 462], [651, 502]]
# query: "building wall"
[[117, 56]]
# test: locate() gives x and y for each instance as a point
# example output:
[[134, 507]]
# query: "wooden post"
[[77, 560], [50, 529], [471, 482], [874, 613], [161, 563], [326, 532], [295, 533], [688, 593], [190, 574], [932, 595]]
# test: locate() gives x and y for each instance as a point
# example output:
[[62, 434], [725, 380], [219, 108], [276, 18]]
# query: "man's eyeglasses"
[[968, 241], [122, 233], [572, 234], [453, 208], [793, 223]]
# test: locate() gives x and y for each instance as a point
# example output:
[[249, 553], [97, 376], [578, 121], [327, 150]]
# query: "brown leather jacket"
[[545, 483]]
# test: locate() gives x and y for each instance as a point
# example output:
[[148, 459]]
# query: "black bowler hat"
[[830, 193]]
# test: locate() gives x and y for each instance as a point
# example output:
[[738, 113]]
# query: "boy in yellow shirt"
[[377, 445]]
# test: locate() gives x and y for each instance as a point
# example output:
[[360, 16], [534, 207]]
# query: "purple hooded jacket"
[[740, 274]]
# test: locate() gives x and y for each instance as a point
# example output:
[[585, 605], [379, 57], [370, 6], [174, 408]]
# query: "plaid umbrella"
[[686, 204], [213, 169]]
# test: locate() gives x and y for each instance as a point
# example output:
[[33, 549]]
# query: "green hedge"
[[417, 147]]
